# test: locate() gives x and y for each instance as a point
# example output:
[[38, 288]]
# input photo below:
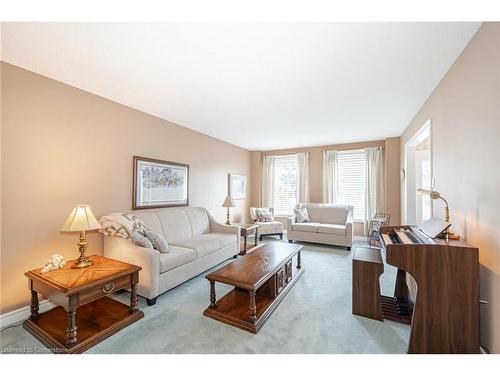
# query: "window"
[[285, 184], [351, 181]]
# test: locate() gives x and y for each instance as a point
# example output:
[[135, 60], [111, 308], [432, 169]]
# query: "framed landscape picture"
[[237, 186], [159, 183]]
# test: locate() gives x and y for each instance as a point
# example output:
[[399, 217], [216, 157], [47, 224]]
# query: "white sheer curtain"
[[374, 182], [329, 176], [303, 177], [268, 163]]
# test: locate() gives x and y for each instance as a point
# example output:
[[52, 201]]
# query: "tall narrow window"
[[285, 184], [351, 181]]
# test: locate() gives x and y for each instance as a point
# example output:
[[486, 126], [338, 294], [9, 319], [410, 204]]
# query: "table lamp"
[[228, 202], [80, 220], [435, 195]]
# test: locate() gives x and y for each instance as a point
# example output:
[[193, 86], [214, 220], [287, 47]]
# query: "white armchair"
[[267, 228]]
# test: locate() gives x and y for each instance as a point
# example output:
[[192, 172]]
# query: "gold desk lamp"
[[228, 202], [80, 220], [435, 195]]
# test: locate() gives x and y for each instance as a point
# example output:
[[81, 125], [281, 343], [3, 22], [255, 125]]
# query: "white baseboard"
[[17, 316]]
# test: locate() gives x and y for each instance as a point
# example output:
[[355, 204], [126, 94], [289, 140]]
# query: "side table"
[[85, 315], [248, 230]]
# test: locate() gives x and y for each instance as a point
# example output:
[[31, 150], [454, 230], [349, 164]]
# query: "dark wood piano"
[[445, 313]]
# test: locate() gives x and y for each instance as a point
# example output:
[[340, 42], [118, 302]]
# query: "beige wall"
[[62, 146], [464, 110], [391, 146]]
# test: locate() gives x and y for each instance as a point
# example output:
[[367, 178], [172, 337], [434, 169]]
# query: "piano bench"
[[367, 266]]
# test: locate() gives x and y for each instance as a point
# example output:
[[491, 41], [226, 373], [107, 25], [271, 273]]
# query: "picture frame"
[[159, 183], [237, 186]]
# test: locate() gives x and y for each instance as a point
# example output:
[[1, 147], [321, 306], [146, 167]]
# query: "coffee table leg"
[[34, 305], [133, 292], [299, 264], [245, 244], [213, 304], [253, 306], [255, 237]]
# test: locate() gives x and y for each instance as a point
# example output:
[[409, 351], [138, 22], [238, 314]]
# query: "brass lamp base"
[[82, 261]]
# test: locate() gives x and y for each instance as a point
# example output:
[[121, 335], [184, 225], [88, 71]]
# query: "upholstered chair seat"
[[267, 228]]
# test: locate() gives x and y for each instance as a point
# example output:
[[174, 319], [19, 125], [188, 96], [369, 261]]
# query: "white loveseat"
[[330, 224], [196, 243]]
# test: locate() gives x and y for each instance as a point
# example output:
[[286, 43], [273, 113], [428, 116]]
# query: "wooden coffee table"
[[261, 279]]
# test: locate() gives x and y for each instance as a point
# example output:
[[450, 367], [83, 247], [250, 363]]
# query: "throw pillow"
[[139, 239], [120, 224], [157, 240], [264, 215], [301, 215]]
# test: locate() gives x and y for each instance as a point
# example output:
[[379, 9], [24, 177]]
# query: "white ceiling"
[[258, 86]]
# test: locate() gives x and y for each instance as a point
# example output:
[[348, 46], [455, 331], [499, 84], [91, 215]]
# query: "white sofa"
[[196, 241], [267, 228], [330, 224]]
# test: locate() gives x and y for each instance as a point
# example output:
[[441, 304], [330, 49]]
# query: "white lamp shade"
[[228, 202], [80, 219]]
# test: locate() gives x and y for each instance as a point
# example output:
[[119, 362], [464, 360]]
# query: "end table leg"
[[34, 305], [71, 330], [213, 304], [245, 244], [299, 261], [253, 306], [133, 292], [256, 238]]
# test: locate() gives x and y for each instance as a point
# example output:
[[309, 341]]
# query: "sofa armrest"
[[149, 259], [349, 224], [224, 228], [289, 221]]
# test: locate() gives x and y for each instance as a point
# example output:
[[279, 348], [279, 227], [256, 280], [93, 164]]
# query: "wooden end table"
[[61, 329], [248, 230]]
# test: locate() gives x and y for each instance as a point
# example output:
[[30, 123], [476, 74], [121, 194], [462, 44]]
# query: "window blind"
[[351, 181], [285, 184]]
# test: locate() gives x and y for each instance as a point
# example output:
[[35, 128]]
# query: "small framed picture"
[[237, 186], [159, 183]]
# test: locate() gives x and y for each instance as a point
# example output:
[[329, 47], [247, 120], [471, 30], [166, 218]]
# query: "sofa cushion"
[[336, 229], [177, 256], [223, 238], [334, 214], [314, 211], [198, 218], [175, 223], [150, 220], [202, 245], [269, 227], [306, 227]]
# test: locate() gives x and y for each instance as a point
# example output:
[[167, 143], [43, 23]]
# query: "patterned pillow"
[[301, 215], [120, 224], [139, 239], [157, 240], [264, 215]]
